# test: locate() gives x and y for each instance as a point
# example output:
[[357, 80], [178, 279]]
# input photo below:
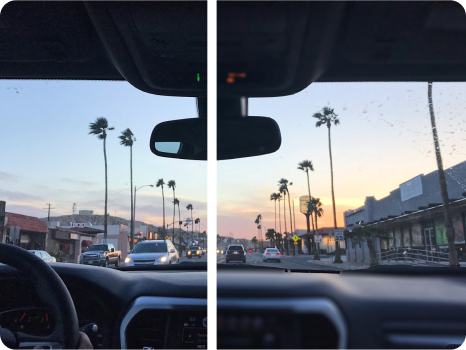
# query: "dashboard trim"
[[322, 306], [160, 303]]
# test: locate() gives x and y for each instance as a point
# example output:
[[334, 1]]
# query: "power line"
[[48, 217]]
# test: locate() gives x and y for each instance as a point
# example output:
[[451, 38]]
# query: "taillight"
[[278, 254], [266, 253]]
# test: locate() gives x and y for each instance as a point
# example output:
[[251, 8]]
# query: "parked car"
[[235, 252], [43, 255], [194, 250], [271, 254], [101, 255], [158, 252]]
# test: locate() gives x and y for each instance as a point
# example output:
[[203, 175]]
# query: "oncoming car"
[[153, 253], [194, 251], [271, 254]]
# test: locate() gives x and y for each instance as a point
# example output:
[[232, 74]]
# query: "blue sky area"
[[384, 139], [48, 156]]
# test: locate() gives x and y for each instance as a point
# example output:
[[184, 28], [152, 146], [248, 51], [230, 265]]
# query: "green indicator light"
[[198, 78]]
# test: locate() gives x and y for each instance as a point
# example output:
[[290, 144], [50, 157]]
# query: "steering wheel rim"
[[53, 294]]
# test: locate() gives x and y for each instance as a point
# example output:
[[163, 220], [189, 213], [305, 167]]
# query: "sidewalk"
[[327, 260]]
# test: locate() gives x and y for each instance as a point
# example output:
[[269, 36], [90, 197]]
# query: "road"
[[287, 262]]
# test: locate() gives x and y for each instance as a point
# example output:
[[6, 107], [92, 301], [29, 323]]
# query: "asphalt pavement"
[[302, 262]]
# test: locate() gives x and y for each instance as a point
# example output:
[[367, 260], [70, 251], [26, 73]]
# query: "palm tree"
[[100, 128], [160, 183], [190, 207], [282, 189], [127, 140], [270, 235], [306, 165], [443, 185], [273, 197], [318, 211], [278, 238], [279, 197], [172, 184], [176, 202], [259, 227], [328, 117], [254, 241], [283, 183]]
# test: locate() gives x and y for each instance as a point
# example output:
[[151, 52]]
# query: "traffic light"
[[197, 221]]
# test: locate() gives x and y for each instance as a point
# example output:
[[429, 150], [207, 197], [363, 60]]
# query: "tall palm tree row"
[[328, 118], [172, 184], [160, 183], [127, 139], [450, 233], [100, 128]]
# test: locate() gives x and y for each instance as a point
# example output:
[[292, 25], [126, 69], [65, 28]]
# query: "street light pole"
[[134, 214]]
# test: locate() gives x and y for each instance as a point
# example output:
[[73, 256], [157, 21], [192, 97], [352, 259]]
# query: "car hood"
[[147, 256]]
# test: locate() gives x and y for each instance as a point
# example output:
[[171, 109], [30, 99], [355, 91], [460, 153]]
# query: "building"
[[411, 216], [25, 231], [328, 240], [69, 243]]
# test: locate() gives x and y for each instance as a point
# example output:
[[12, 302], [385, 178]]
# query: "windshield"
[[97, 247], [235, 247], [58, 124], [150, 248], [194, 248], [356, 180]]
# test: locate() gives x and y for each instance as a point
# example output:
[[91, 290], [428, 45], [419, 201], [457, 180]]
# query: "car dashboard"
[[131, 309], [282, 310]]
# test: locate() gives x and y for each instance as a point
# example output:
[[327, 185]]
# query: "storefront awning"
[[86, 243]]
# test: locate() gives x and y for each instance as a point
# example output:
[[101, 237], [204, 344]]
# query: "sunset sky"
[[48, 156], [383, 140]]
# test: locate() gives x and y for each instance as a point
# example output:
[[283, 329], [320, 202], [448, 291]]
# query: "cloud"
[[78, 182], [9, 177]]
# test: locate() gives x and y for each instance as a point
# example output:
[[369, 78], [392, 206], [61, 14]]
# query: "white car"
[[271, 254], [43, 255], [158, 252]]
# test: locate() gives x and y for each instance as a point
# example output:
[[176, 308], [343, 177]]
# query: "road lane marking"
[[218, 262]]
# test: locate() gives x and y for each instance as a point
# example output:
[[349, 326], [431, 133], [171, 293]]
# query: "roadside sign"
[[188, 221], [318, 238], [339, 235], [295, 238]]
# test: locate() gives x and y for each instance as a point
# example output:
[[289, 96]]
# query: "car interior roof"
[[158, 47], [270, 49]]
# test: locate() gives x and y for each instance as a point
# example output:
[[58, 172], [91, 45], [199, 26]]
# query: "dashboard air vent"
[[147, 330]]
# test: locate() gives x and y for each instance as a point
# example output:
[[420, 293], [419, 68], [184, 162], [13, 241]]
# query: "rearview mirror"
[[236, 138], [183, 139], [242, 137], [128, 252]]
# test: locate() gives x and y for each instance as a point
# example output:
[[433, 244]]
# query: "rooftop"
[[26, 223]]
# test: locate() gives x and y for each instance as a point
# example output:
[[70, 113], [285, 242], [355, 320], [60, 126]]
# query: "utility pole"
[[48, 217]]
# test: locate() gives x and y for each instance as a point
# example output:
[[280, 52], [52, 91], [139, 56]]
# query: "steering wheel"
[[53, 294]]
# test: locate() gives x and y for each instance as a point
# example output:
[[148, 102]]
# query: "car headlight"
[[189, 252], [163, 259], [127, 260], [198, 252], [218, 251]]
